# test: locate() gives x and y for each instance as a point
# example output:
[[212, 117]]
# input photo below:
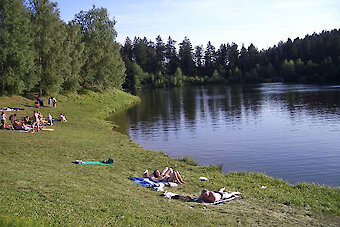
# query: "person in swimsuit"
[[36, 121], [167, 175], [213, 196]]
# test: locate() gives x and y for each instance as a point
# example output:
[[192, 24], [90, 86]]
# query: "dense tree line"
[[313, 59], [40, 52]]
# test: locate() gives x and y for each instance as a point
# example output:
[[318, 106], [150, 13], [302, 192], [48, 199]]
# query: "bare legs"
[[176, 177], [167, 173]]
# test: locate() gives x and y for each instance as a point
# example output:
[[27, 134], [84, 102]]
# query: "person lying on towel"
[[211, 197], [167, 175]]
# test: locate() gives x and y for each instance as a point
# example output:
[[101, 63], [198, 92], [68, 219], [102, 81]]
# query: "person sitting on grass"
[[20, 126], [211, 197], [167, 175], [27, 120], [62, 117]]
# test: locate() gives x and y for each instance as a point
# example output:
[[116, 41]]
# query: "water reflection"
[[287, 131]]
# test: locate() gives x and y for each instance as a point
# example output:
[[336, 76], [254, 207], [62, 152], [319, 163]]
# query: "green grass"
[[40, 186]]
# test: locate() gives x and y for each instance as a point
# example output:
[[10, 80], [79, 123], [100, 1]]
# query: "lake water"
[[286, 131]]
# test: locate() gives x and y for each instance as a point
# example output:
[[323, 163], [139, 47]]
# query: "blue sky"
[[261, 22]]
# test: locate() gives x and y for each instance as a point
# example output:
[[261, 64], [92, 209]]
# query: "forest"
[[313, 59], [41, 53]]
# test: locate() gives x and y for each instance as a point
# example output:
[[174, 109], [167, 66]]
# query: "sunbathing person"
[[20, 126], [27, 120], [211, 197], [62, 118], [167, 175]]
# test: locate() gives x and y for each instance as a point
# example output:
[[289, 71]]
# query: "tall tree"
[[160, 50], [233, 54], [104, 67], [171, 56], [140, 51], [73, 57], [127, 55], [209, 59], [48, 42], [186, 58], [16, 54], [222, 58], [199, 59]]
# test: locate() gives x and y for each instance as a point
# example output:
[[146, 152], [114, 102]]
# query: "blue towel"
[[145, 182]]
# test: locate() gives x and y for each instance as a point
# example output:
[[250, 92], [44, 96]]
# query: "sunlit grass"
[[39, 184]]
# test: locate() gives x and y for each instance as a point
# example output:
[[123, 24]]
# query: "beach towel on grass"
[[219, 201], [11, 109], [107, 162], [15, 130], [145, 182], [171, 195]]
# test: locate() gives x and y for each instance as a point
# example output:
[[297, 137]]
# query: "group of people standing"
[[52, 102]]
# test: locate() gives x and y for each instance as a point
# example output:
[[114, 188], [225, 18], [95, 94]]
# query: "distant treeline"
[[41, 53], [313, 59]]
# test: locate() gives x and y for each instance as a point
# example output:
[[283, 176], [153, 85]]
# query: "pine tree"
[[160, 50], [222, 58], [209, 59], [199, 59], [140, 52], [186, 58], [171, 56]]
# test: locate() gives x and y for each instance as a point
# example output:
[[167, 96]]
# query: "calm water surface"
[[286, 131]]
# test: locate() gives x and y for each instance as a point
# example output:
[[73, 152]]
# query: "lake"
[[286, 131]]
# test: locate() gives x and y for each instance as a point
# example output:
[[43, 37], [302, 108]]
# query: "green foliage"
[[49, 36], [16, 54], [138, 76], [186, 57], [188, 160], [178, 78], [288, 71], [286, 62], [103, 67], [73, 58]]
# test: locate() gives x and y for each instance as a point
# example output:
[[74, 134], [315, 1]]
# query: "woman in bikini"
[[213, 196], [167, 175]]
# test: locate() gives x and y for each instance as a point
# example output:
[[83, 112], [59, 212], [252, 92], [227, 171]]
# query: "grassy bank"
[[40, 185]]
